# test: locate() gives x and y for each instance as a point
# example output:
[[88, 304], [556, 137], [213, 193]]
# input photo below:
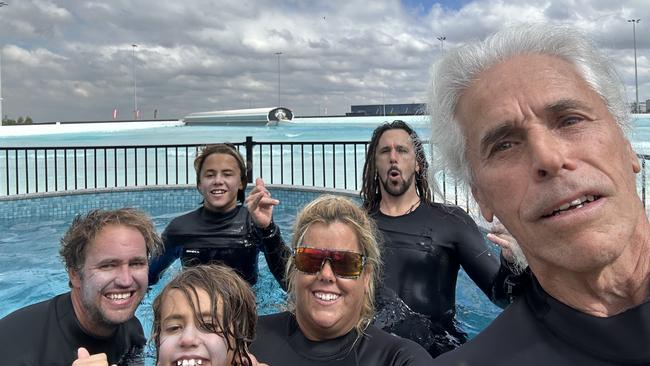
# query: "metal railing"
[[26, 170]]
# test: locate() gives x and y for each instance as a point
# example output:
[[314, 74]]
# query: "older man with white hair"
[[533, 120]]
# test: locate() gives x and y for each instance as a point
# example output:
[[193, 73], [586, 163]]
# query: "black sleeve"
[[159, 264], [478, 260], [275, 251], [494, 276], [508, 284]]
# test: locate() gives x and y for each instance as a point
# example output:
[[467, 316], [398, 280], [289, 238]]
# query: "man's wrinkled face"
[[550, 161]]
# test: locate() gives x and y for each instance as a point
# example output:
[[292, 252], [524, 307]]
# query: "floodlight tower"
[[442, 43], [2, 116], [636, 80], [278, 55], [135, 86]]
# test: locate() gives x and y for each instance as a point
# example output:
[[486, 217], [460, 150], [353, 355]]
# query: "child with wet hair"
[[205, 316]]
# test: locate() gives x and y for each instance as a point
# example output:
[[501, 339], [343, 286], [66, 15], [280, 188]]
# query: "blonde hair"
[[326, 210]]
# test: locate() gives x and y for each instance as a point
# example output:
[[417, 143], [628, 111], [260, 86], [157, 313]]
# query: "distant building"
[[388, 109], [644, 107]]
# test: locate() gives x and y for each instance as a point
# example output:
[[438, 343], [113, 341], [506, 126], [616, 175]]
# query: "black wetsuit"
[[280, 342], [48, 333], [539, 330], [423, 252], [203, 236]]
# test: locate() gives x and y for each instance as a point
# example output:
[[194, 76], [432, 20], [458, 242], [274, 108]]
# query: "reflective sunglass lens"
[[308, 263], [349, 265], [343, 263]]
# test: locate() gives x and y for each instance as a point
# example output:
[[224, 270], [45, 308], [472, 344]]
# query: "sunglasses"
[[344, 264]]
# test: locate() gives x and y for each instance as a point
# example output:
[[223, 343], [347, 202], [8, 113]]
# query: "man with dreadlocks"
[[425, 243]]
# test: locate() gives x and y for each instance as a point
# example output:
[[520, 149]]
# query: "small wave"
[[9, 237]]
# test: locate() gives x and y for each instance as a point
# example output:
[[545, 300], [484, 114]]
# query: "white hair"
[[457, 70]]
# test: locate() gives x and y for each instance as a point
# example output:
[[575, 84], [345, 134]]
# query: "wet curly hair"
[[232, 306]]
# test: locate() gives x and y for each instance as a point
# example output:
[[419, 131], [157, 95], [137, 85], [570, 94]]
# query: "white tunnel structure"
[[270, 116]]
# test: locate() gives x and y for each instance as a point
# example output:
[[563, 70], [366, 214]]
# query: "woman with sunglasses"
[[227, 228], [331, 278]]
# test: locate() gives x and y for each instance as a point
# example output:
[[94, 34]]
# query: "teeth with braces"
[[189, 362]]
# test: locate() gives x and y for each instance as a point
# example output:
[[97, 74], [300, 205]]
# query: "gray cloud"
[[73, 60]]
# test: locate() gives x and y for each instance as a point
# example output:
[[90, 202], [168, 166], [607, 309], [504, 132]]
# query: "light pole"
[[278, 55], [2, 116], [636, 80], [442, 43], [135, 86], [442, 49]]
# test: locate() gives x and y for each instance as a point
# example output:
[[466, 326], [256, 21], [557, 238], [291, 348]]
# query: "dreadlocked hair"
[[370, 192]]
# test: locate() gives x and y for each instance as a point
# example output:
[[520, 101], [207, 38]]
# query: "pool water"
[[32, 271]]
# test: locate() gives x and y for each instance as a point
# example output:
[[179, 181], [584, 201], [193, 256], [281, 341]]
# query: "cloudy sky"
[[70, 60]]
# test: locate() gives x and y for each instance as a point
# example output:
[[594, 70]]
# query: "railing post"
[[249, 158]]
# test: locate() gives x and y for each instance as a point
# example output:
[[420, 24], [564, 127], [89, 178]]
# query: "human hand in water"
[[500, 236], [85, 359], [260, 204]]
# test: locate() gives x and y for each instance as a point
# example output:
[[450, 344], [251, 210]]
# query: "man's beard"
[[94, 311], [399, 189]]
